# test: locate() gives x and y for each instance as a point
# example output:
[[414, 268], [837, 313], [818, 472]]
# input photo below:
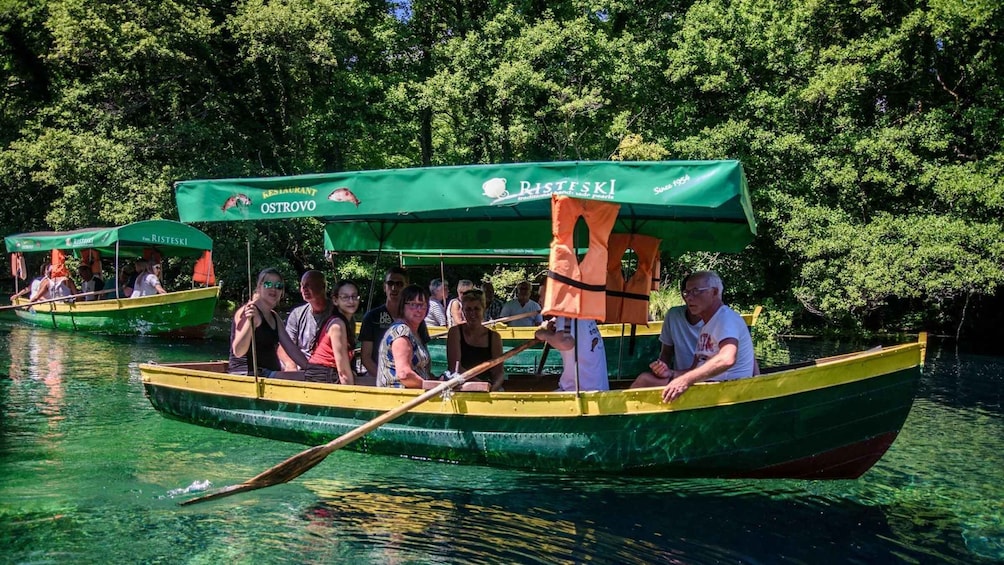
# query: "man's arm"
[[716, 365], [560, 340]]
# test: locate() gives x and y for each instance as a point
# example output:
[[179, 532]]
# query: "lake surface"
[[89, 472]]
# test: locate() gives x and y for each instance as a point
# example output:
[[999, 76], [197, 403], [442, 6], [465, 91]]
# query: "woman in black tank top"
[[471, 343], [268, 330]]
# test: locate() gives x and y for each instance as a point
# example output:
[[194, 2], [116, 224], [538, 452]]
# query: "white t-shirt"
[[681, 335], [513, 307], [146, 285], [726, 323], [591, 356]]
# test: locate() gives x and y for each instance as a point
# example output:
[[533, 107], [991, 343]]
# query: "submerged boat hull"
[[185, 312], [830, 420]]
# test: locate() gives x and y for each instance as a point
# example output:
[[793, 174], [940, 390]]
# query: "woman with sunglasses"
[[471, 343], [147, 280], [258, 317], [403, 360], [333, 352]]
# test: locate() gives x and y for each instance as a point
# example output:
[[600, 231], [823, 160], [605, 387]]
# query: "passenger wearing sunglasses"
[[258, 317], [147, 280], [376, 321]]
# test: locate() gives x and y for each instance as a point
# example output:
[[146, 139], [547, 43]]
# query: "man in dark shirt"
[[377, 320]]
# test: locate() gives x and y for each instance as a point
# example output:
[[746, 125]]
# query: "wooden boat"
[[830, 419], [185, 312]]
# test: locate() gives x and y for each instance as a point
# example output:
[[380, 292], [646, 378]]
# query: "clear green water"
[[87, 467]]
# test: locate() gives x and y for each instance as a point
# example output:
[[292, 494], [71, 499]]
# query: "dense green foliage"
[[871, 131]]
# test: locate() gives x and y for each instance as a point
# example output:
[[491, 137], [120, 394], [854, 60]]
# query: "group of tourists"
[[704, 340], [54, 283]]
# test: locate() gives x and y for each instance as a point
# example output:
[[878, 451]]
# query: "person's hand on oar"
[[305, 460]]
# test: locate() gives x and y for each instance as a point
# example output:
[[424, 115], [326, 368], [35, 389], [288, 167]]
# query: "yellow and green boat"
[[832, 418], [185, 312]]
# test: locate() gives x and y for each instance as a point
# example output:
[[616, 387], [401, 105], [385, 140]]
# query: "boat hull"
[[186, 312], [828, 421]]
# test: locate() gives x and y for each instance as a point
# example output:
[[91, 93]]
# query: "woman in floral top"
[[403, 359]]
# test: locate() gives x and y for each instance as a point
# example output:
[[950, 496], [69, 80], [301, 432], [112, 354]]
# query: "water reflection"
[[87, 465]]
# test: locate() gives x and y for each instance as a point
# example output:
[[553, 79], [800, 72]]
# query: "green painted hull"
[[834, 420], [185, 312]]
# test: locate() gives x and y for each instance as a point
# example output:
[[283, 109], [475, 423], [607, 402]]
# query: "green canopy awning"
[[690, 205], [170, 238]]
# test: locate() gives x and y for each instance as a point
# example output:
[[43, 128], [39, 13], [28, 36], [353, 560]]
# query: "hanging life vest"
[[577, 290], [92, 258], [18, 270], [151, 255], [59, 264], [205, 273], [627, 300]]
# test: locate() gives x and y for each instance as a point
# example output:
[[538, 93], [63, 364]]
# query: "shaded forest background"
[[870, 131]]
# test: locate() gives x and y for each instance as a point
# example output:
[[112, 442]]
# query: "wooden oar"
[[305, 460], [490, 323], [60, 299], [543, 359]]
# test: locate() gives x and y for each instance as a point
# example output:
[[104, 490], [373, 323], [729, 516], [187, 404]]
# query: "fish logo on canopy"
[[343, 194], [241, 200]]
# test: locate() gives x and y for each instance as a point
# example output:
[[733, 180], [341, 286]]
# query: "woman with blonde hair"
[[471, 343], [257, 342], [455, 311]]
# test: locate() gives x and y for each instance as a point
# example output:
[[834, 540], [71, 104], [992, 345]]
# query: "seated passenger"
[[147, 282], [454, 311], [471, 343], [521, 305], [680, 330], [267, 327], [724, 348], [334, 351], [89, 283], [403, 360]]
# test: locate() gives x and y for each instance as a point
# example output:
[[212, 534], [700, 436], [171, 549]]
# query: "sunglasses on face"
[[416, 305], [394, 284], [273, 284]]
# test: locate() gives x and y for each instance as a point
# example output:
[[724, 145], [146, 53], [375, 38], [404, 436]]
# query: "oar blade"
[[282, 473]]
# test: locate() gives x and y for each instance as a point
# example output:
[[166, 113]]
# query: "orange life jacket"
[[204, 271], [59, 264], [17, 267], [577, 290], [627, 300], [151, 255], [91, 258]]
